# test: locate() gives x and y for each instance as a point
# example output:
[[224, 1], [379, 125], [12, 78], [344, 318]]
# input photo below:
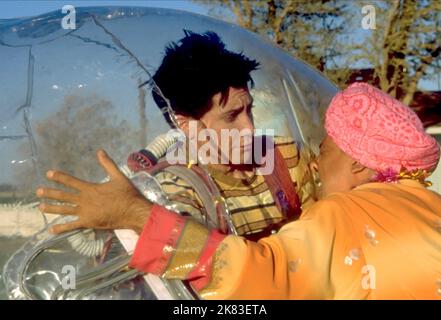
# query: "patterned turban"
[[379, 131]]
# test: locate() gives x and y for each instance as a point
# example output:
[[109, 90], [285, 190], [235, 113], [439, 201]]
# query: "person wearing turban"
[[374, 234]]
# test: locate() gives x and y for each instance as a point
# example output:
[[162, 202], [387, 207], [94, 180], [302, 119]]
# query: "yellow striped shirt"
[[249, 200]]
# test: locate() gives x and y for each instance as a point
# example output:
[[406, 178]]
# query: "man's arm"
[[295, 263], [178, 247]]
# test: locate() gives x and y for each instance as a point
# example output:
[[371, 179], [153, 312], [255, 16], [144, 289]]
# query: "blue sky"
[[13, 9]]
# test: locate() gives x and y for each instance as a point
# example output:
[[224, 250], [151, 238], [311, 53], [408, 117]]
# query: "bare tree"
[[403, 48], [69, 138], [142, 115], [307, 29]]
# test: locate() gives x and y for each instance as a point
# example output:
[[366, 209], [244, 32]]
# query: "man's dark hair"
[[195, 69]]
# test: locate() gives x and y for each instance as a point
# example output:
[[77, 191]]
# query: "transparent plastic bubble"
[[66, 93]]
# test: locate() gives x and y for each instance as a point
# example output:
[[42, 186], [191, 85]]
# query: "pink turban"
[[379, 131]]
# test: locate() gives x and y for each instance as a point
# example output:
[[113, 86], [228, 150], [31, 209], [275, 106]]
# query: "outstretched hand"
[[115, 204]]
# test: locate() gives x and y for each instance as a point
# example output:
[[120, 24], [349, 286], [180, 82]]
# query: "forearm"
[[139, 214], [294, 263], [175, 247]]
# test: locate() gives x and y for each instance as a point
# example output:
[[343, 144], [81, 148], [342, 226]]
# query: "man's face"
[[334, 168], [234, 114]]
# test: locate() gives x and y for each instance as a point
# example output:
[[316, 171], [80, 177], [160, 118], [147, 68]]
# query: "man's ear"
[[184, 123], [181, 120], [357, 167]]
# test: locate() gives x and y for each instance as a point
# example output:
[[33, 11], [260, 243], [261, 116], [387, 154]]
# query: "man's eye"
[[231, 116]]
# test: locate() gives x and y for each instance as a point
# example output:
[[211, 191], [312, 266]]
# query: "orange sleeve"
[[296, 263]]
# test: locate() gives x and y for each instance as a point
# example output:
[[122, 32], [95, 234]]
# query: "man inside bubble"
[[374, 234], [208, 88]]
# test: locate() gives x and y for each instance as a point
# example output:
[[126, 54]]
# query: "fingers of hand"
[[109, 165], [66, 179], [57, 195], [57, 209], [65, 227]]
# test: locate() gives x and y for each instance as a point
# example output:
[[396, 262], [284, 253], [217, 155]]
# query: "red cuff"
[[202, 273], [157, 241]]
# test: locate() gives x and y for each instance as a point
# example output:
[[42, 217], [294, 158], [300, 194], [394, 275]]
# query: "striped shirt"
[[249, 200]]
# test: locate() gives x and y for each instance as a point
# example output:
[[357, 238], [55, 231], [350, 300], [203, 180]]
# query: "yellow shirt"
[[249, 201]]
